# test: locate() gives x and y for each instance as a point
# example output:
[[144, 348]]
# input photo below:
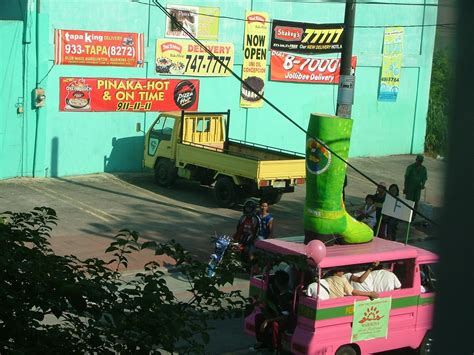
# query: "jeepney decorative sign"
[[123, 49], [136, 95], [201, 22], [371, 319], [392, 64], [309, 38], [303, 69], [184, 57], [255, 58]]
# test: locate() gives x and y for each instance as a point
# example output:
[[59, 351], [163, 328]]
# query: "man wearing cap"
[[415, 180]]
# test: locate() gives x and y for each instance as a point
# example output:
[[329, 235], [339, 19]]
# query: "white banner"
[[394, 208]]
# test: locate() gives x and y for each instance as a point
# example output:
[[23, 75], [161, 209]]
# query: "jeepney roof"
[[341, 255]]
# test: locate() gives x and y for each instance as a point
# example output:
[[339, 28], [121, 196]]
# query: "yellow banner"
[[255, 58], [184, 57], [391, 64]]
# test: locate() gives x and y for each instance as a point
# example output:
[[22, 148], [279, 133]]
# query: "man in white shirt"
[[385, 280], [381, 280], [312, 290]]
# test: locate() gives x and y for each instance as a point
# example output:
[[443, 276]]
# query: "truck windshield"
[[162, 130]]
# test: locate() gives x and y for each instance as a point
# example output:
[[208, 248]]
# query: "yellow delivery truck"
[[196, 146]]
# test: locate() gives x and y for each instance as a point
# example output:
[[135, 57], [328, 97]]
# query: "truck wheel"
[[165, 173], [274, 197], [225, 192], [346, 350], [427, 344]]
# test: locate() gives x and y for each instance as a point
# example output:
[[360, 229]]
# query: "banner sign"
[[394, 208], [255, 58], [371, 319], [184, 57], [309, 38], [392, 64], [78, 47], [136, 95], [290, 67], [202, 22]]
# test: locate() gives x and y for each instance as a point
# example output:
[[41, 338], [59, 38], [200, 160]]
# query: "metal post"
[[378, 226], [408, 232], [345, 95]]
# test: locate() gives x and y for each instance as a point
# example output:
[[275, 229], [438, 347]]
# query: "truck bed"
[[251, 161]]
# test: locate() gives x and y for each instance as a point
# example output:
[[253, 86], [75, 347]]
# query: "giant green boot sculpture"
[[325, 217]]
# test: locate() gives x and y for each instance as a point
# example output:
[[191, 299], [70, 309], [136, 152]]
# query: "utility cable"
[[235, 75], [440, 25]]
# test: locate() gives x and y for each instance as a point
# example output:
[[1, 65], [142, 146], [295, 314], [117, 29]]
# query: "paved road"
[[93, 208]]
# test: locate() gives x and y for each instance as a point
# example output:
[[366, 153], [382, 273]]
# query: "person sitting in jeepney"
[[375, 278], [312, 290], [339, 286], [276, 315], [336, 285]]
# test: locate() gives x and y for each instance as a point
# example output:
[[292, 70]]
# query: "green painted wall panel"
[[12, 125], [80, 143]]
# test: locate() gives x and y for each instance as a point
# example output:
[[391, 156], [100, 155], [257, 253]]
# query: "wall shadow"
[[54, 157], [126, 155]]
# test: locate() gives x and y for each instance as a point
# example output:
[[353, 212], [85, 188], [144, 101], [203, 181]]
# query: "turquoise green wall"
[[54, 143]]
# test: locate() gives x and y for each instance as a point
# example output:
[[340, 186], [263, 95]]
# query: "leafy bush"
[[438, 109], [59, 304]]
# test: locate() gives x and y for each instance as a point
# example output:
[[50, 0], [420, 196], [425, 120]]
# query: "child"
[[247, 229], [368, 213], [266, 221]]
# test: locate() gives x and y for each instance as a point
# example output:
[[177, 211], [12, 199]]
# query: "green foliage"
[[59, 304], [438, 109]]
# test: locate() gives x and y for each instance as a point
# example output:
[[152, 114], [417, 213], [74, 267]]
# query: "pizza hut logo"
[[255, 18], [185, 95], [171, 46], [288, 34]]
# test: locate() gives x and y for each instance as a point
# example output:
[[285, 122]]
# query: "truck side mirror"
[[138, 127]]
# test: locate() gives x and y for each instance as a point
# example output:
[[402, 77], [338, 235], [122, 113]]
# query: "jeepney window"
[[389, 276], [162, 130], [202, 124], [428, 278], [405, 271]]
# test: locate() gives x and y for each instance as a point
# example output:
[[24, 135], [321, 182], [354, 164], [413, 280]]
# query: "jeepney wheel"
[[165, 173], [225, 192], [427, 344], [346, 350]]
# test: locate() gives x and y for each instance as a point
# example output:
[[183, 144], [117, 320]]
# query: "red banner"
[[78, 47], [136, 95], [290, 67]]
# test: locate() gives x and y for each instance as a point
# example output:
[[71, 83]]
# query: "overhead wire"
[[440, 25], [277, 109]]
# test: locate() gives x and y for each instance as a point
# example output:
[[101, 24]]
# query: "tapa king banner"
[[302, 69], [123, 49], [308, 38], [117, 94]]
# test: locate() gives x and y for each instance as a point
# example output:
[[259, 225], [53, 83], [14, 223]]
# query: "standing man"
[[415, 180]]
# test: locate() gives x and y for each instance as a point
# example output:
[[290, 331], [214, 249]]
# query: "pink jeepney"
[[326, 326]]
